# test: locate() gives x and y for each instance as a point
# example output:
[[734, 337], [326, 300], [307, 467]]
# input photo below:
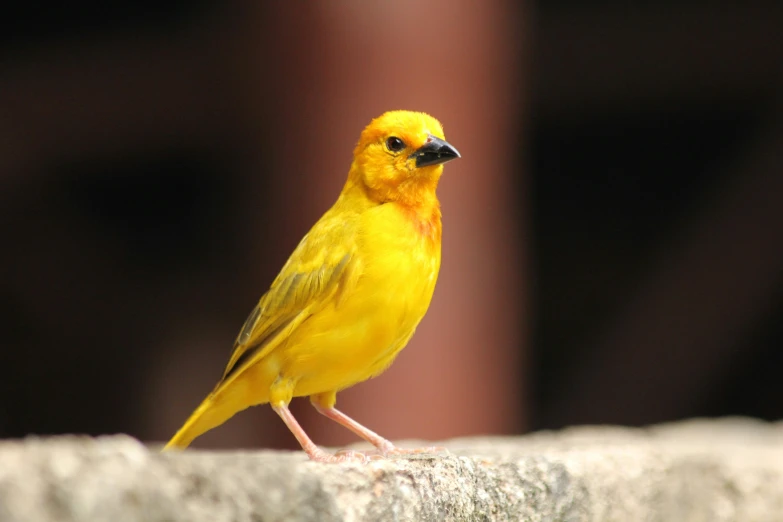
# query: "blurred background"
[[613, 235]]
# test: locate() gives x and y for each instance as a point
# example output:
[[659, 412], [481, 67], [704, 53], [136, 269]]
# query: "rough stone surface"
[[703, 470]]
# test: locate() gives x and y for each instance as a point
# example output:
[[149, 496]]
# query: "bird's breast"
[[360, 336], [401, 254]]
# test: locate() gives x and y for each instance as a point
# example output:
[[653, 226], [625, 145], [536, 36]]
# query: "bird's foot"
[[343, 456], [356, 456], [391, 450]]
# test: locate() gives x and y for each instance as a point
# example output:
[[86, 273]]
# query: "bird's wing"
[[322, 268]]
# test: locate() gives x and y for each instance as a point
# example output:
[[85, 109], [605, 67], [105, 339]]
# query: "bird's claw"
[[394, 450], [356, 456], [363, 457], [345, 456]]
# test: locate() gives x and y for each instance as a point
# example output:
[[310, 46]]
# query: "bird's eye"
[[395, 144]]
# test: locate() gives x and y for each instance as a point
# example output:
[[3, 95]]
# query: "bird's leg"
[[324, 404], [384, 446], [313, 451]]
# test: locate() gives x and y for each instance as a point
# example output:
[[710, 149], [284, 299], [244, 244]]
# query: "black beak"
[[434, 152]]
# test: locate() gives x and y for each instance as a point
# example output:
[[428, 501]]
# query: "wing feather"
[[320, 268]]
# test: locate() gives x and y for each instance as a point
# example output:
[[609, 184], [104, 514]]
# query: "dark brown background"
[[613, 236]]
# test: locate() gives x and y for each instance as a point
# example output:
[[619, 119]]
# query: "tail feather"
[[200, 421], [222, 404]]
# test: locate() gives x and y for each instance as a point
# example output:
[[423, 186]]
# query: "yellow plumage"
[[351, 294]]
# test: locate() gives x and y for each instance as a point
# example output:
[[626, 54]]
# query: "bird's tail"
[[203, 419], [217, 408]]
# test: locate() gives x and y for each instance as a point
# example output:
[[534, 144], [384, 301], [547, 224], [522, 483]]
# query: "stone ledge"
[[702, 470]]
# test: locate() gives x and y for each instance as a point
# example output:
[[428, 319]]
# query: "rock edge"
[[701, 470]]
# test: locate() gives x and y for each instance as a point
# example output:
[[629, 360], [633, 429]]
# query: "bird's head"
[[400, 157]]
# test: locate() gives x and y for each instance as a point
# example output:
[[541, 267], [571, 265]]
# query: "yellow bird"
[[352, 293]]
